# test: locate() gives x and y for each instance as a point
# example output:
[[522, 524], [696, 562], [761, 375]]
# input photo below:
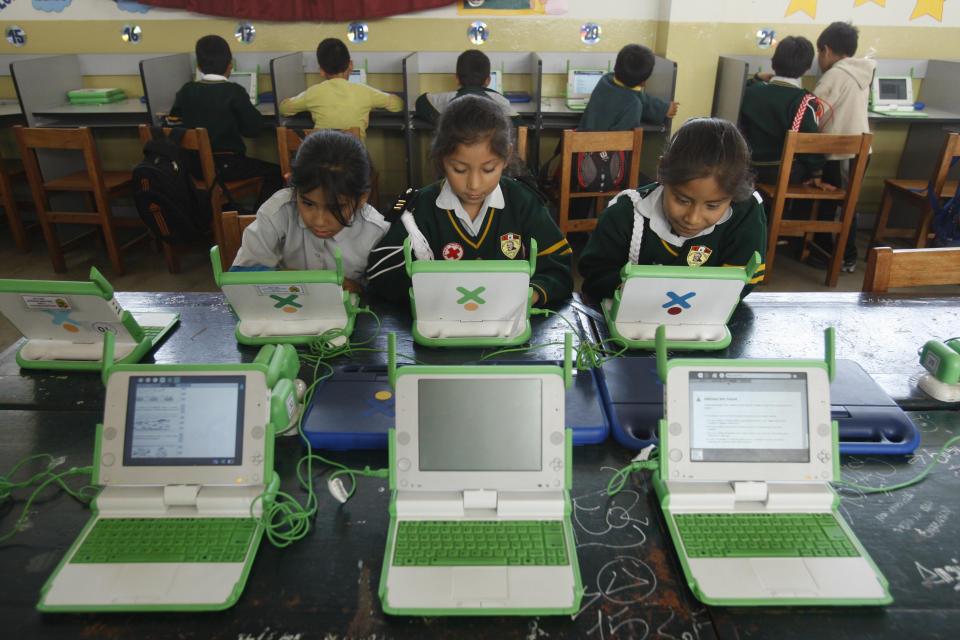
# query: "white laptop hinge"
[[479, 499], [746, 491], [180, 495]]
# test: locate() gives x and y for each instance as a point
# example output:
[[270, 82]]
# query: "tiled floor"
[[147, 271]]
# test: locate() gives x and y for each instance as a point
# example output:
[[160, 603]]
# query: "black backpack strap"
[[176, 135]]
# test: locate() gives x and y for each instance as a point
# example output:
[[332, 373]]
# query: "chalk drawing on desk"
[[927, 521], [948, 575], [269, 634], [596, 515]]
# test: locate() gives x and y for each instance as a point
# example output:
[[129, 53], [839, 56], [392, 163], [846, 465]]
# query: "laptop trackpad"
[[480, 583], [784, 576]]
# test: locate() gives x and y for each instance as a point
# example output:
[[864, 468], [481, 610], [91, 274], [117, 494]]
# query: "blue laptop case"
[[869, 420], [353, 408]]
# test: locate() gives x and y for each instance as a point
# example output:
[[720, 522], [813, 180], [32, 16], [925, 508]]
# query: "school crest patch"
[[452, 251], [510, 245], [698, 255]]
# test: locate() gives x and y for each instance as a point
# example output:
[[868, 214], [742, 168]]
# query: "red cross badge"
[[452, 251]]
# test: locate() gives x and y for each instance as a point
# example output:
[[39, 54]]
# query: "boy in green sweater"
[[223, 108]]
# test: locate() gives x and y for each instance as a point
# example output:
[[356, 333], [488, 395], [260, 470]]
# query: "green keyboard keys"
[[167, 540], [760, 535], [483, 543]]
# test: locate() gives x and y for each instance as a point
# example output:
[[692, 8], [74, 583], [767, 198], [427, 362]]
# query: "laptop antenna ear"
[[533, 256], [660, 342], [567, 356], [830, 355], [392, 359], [107, 363], [752, 264], [339, 260], [101, 282], [215, 261], [407, 257]]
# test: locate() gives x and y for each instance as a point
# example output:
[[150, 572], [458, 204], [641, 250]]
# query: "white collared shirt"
[[793, 82], [449, 200], [213, 77], [651, 208]]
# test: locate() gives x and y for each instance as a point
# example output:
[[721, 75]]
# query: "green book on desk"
[[95, 96]]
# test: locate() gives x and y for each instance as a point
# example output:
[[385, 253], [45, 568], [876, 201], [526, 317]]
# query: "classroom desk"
[[882, 332], [326, 584]]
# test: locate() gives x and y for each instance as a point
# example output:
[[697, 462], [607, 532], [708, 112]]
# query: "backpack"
[[599, 170], [946, 220], [167, 200]]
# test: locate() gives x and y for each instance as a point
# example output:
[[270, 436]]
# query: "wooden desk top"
[[325, 586]]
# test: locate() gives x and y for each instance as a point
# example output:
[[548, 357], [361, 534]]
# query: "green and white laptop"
[[693, 303], [64, 323], [462, 303], [287, 306], [580, 85], [480, 505], [185, 457], [748, 451]]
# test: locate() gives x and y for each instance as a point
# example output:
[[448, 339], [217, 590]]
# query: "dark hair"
[[473, 68], [634, 65], [333, 56], [335, 162], [792, 57], [709, 147], [213, 55], [841, 37], [468, 120]]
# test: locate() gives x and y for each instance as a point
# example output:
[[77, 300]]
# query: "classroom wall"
[[691, 32]]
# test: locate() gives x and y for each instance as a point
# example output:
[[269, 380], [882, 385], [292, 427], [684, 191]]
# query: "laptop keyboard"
[[486, 542], [167, 540], [753, 535]]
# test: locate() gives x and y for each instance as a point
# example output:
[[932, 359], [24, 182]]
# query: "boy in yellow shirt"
[[337, 103]]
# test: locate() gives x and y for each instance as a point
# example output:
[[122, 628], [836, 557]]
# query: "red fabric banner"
[[293, 10]]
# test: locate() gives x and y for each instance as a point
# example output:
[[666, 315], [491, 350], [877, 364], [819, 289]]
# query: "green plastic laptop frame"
[[662, 476], [429, 370], [279, 365], [611, 310], [454, 267], [285, 277], [54, 297]]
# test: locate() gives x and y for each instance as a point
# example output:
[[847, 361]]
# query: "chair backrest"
[[888, 268], [193, 140], [30, 139], [574, 142], [288, 141], [233, 226], [950, 150], [521, 146], [857, 145]]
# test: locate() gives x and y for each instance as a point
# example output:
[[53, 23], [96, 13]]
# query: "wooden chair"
[[574, 142], [198, 140], [98, 187], [288, 141], [888, 268], [521, 147], [233, 226], [11, 173], [779, 193], [916, 193]]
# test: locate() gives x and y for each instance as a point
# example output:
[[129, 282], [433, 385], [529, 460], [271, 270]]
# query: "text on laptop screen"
[[584, 80], [479, 425], [892, 89], [184, 420], [746, 416]]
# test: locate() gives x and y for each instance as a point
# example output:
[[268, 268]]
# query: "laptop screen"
[[358, 76], [893, 89], [748, 416], [582, 81], [495, 81], [164, 412], [480, 425]]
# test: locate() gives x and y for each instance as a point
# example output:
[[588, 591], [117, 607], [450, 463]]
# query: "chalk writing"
[[927, 522], [269, 634], [946, 575], [596, 515]]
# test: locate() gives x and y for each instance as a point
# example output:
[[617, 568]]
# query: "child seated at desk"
[[223, 108], [325, 208], [776, 103], [473, 76], [618, 102], [703, 212], [475, 213], [337, 103]]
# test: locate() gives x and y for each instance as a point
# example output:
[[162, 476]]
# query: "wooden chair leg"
[[773, 233], [808, 236], [880, 224], [923, 228], [50, 235], [17, 228], [173, 261]]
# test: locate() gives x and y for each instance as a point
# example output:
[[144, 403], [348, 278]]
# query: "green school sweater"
[[767, 114], [614, 107], [221, 107], [730, 243], [523, 215], [429, 106]]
